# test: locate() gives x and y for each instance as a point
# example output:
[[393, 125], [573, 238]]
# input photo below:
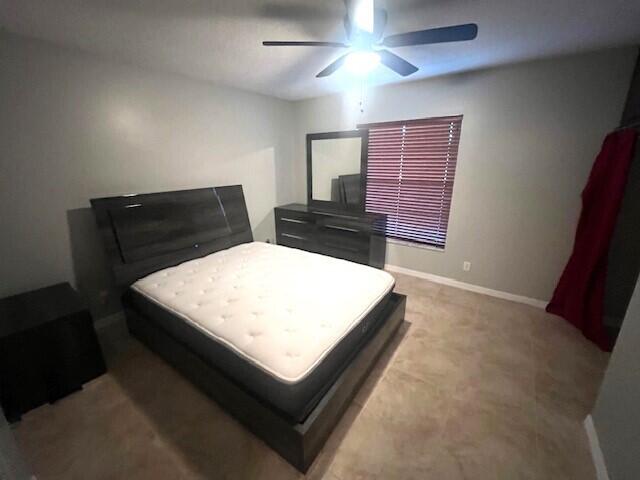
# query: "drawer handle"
[[329, 214], [292, 220], [289, 235], [346, 229]]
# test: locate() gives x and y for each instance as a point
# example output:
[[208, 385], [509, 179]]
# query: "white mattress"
[[280, 308]]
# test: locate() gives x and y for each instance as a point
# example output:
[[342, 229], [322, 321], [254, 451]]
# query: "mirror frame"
[[364, 149]]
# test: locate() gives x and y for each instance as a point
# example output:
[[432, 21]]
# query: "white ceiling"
[[220, 40]]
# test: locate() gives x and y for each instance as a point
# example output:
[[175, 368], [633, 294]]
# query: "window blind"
[[410, 175]]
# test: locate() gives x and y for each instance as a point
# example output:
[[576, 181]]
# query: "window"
[[410, 174]]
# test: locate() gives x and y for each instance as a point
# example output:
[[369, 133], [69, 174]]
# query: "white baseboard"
[[468, 286], [596, 452]]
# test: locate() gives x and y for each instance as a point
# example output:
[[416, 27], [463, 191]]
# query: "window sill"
[[407, 243]]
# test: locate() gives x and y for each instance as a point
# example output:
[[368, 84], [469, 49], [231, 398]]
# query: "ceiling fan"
[[364, 25]]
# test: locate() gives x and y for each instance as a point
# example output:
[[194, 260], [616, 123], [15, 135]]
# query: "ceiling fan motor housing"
[[362, 39]]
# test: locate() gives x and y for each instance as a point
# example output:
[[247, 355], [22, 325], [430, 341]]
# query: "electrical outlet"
[[466, 266]]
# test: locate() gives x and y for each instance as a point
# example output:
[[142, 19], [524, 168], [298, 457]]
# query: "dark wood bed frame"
[[175, 230]]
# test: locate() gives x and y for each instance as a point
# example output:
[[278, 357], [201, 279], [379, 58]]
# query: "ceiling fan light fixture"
[[361, 62]]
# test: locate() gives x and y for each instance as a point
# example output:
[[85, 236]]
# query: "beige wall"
[[73, 127], [529, 137], [617, 412]]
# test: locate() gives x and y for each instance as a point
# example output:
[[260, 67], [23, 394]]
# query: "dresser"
[[358, 237]]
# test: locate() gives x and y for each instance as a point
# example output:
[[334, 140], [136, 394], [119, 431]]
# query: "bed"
[[279, 337]]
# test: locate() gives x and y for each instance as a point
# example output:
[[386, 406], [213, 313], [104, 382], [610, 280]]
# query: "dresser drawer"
[[299, 229], [353, 255], [293, 217], [296, 241], [344, 223], [294, 223], [345, 239]]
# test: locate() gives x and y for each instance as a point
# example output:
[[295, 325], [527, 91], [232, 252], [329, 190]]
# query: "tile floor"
[[475, 388]]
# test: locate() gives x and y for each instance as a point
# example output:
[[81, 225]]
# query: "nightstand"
[[48, 348]]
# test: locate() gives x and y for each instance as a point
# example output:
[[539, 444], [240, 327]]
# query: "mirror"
[[336, 169]]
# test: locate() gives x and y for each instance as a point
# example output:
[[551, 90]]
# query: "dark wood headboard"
[[147, 232]]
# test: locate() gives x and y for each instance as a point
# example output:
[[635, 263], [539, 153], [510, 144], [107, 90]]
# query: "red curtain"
[[579, 296]]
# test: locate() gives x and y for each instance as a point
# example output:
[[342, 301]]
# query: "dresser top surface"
[[300, 207]]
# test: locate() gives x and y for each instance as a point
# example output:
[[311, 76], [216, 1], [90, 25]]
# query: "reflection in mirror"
[[336, 170]]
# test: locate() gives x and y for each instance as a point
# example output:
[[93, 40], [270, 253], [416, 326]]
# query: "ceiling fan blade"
[[456, 33], [332, 67], [304, 44], [396, 63]]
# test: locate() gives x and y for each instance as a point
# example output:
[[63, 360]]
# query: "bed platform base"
[[298, 443]]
